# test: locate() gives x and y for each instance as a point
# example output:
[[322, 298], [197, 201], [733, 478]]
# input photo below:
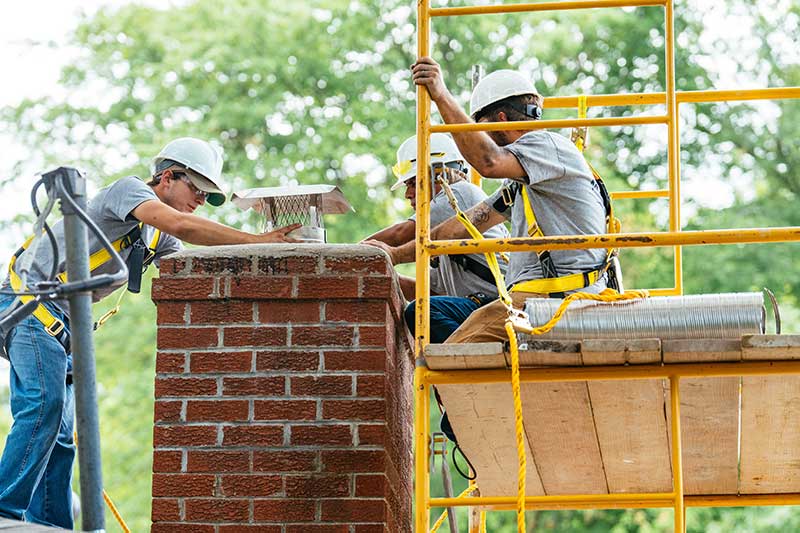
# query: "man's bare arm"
[[197, 230], [395, 235], [489, 159], [481, 215]]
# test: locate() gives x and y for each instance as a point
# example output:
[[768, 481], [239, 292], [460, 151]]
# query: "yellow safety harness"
[[54, 326], [517, 321]]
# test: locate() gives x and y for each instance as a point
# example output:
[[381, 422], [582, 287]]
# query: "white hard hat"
[[200, 157], [443, 151], [497, 86]]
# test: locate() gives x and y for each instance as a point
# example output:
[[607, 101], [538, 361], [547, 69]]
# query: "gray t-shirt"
[[566, 201], [465, 282], [111, 210]]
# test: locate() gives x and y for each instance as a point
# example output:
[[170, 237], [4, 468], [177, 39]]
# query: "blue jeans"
[[36, 466], [447, 313]]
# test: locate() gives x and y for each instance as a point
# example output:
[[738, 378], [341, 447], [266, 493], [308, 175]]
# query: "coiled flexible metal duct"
[[705, 316]]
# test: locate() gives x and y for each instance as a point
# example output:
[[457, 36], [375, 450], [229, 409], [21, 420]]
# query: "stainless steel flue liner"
[[705, 316]]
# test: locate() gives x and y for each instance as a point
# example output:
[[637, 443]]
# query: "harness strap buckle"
[[55, 328]]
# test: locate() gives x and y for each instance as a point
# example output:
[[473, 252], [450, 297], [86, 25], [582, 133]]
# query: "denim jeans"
[[447, 313], [36, 466]]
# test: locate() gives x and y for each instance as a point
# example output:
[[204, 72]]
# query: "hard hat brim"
[[215, 195]]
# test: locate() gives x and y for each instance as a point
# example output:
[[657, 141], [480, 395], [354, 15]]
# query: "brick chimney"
[[283, 392]]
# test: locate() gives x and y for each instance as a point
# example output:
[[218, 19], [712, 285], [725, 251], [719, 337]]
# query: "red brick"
[[167, 411], [295, 311], [165, 510], [371, 386], [356, 311], [352, 511], [374, 336], [252, 435], [371, 485], [291, 461], [376, 264], [170, 363], [164, 436], [257, 386], [373, 528], [218, 461], [371, 434], [251, 485], [328, 435], [183, 289], [219, 265], [171, 266], [322, 336], [167, 461], [317, 486], [221, 312], [216, 410], [220, 362], [239, 528], [166, 527], [277, 266], [183, 485], [283, 510], [254, 336], [285, 410], [346, 461], [291, 361], [171, 312], [324, 288], [181, 387], [217, 510], [322, 528], [367, 360], [258, 288], [172, 338], [353, 410], [377, 287], [322, 386]]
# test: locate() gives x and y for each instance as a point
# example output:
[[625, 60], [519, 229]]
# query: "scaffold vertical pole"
[[677, 460], [80, 309], [673, 140]]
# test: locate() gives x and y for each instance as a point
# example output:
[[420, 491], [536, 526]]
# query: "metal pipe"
[[421, 455], [529, 125], [424, 186], [683, 97], [677, 458], [615, 373], [617, 240], [565, 499], [635, 195], [80, 310], [544, 6]]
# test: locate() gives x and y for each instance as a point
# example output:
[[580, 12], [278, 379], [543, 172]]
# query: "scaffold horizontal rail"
[[683, 97], [635, 195], [615, 373], [617, 240], [548, 124], [543, 6]]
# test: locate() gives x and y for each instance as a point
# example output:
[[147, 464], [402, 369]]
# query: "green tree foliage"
[[319, 92]]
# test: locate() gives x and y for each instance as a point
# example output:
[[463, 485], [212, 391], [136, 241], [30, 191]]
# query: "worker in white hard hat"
[[459, 283], [549, 190], [144, 221]]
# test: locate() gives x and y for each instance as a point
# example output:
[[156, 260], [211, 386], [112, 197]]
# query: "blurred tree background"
[[319, 92]]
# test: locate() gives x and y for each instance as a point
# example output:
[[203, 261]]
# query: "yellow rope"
[[607, 295], [519, 426], [443, 516], [107, 498]]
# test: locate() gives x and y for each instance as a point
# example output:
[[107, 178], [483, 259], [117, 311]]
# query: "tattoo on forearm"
[[479, 214]]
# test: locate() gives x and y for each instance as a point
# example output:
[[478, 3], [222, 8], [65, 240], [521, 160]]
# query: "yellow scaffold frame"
[[424, 378]]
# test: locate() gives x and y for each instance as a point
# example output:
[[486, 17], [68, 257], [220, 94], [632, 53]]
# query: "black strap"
[[474, 266], [135, 260]]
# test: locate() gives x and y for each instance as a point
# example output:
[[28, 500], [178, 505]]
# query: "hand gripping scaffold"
[[746, 364]]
